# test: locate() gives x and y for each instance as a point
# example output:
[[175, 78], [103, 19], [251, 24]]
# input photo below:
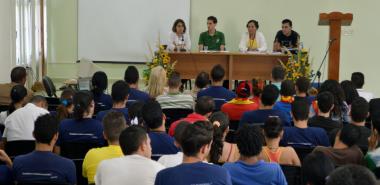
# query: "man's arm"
[[223, 43]]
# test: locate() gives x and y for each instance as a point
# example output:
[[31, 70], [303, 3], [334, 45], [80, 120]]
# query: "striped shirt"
[[176, 101]]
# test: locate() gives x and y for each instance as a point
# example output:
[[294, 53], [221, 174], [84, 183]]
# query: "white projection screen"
[[121, 30]]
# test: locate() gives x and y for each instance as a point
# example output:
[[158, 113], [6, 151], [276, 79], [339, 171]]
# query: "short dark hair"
[[325, 101], [278, 73], [204, 105], [202, 80], [287, 88], [131, 75], [351, 174], [287, 21], [249, 140], [359, 109], [179, 129], [45, 127], [254, 22], [120, 91], [176, 22], [18, 93], [113, 124], [37, 99], [18, 74], [269, 95], [316, 167], [213, 19], [134, 111], [217, 73], [131, 139], [99, 83], [152, 114], [300, 109], [349, 135], [174, 80], [357, 79], [196, 136], [303, 84], [273, 127], [350, 91], [82, 101]]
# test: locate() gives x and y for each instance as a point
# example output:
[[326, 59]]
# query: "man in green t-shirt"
[[212, 39]]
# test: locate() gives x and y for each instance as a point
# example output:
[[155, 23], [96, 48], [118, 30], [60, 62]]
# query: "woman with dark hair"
[[179, 40], [135, 113], [99, 85], [252, 40], [66, 108], [18, 96], [350, 91], [202, 81]]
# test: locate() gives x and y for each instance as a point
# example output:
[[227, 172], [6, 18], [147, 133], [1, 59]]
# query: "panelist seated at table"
[[211, 39], [286, 37], [252, 40], [179, 39]]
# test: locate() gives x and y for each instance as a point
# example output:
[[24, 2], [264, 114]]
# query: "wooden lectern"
[[335, 20]]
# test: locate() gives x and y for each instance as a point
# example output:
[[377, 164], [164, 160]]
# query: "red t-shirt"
[[236, 107], [191, 118]]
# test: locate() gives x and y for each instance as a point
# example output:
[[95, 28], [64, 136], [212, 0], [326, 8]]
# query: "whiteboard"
[[122, 30]]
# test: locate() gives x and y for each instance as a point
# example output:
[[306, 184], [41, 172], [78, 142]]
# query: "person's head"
[[120, 92], [256, 90], [174, 81], [273, 128], [135, 113], [18, 75], [204, 105], [287, 26], [249, 140], [211, 23], [348, 135], [220, 122], [39, 101], [217, 73], [65, 109], [152, 114], [83, 105], [334, 88], [350, 91], [202, 80], [351, 175], [269, 95], [18, 96], [359, 110], [300, 110], [278, 74], [46, 130], [357, 79], [287, 88], [131, 75], [252, 26], [302, 85], [316, 167], [135, 140], [179, 26], [178, 132], [99, 83], [325, 101], [113, 124], [196, 139], [243, 90], [157, 81]]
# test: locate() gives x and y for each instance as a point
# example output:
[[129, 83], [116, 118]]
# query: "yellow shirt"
[[95, 156], [252, 44]]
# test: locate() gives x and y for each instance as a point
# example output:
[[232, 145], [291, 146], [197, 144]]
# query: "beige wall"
[[6, 41]]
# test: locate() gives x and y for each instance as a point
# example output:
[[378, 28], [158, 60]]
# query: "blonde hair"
[[157, 81]]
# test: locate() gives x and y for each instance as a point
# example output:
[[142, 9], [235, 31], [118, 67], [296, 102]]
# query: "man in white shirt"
[[135, 167], [357, 78]]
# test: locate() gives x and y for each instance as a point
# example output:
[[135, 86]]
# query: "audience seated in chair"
[[316, 168], [203, 109], [302, 87], [357, 79], [174, 99], [18, 77], [42, 165], [273, 152], [113, 123], [286, 98], [157, 82], [196, 143], [131, 76], [250, 169], [350, 92], [66, 109], [268, 99], [220, 94], [120, 92], [257, 89], [18, 97], [135, 114], [351, 174], [372, 158], [237, 106], [202, 81], [160, 141], [99, 85], [135, 167], [278, 75]]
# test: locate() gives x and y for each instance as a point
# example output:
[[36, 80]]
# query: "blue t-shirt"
[[220, 94], [162, 144], [137, 95], [199, 173], [255, 174], [85, 130], [304, 137], [39, 166], [260, 116], [286, 108], [104, 100], [5, 175], [102, 114]]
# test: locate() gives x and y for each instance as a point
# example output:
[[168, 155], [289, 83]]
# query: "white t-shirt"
[[130, 169], [3, 116], [174, 40], [366, 95], [171, 160], [20, 124]]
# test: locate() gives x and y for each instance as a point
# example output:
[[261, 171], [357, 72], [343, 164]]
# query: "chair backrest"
[[231, 135], [173, 115], [49, 86], [218, 103], [303, 152], [53, 103], [292, 174], [4, 108], [15, 148], [100, 107], [73, 150], [79, 167]]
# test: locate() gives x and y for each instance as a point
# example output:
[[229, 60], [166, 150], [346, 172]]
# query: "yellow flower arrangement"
[[297, 65]]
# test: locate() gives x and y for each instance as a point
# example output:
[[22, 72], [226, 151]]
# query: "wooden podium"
[[335, 20]]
